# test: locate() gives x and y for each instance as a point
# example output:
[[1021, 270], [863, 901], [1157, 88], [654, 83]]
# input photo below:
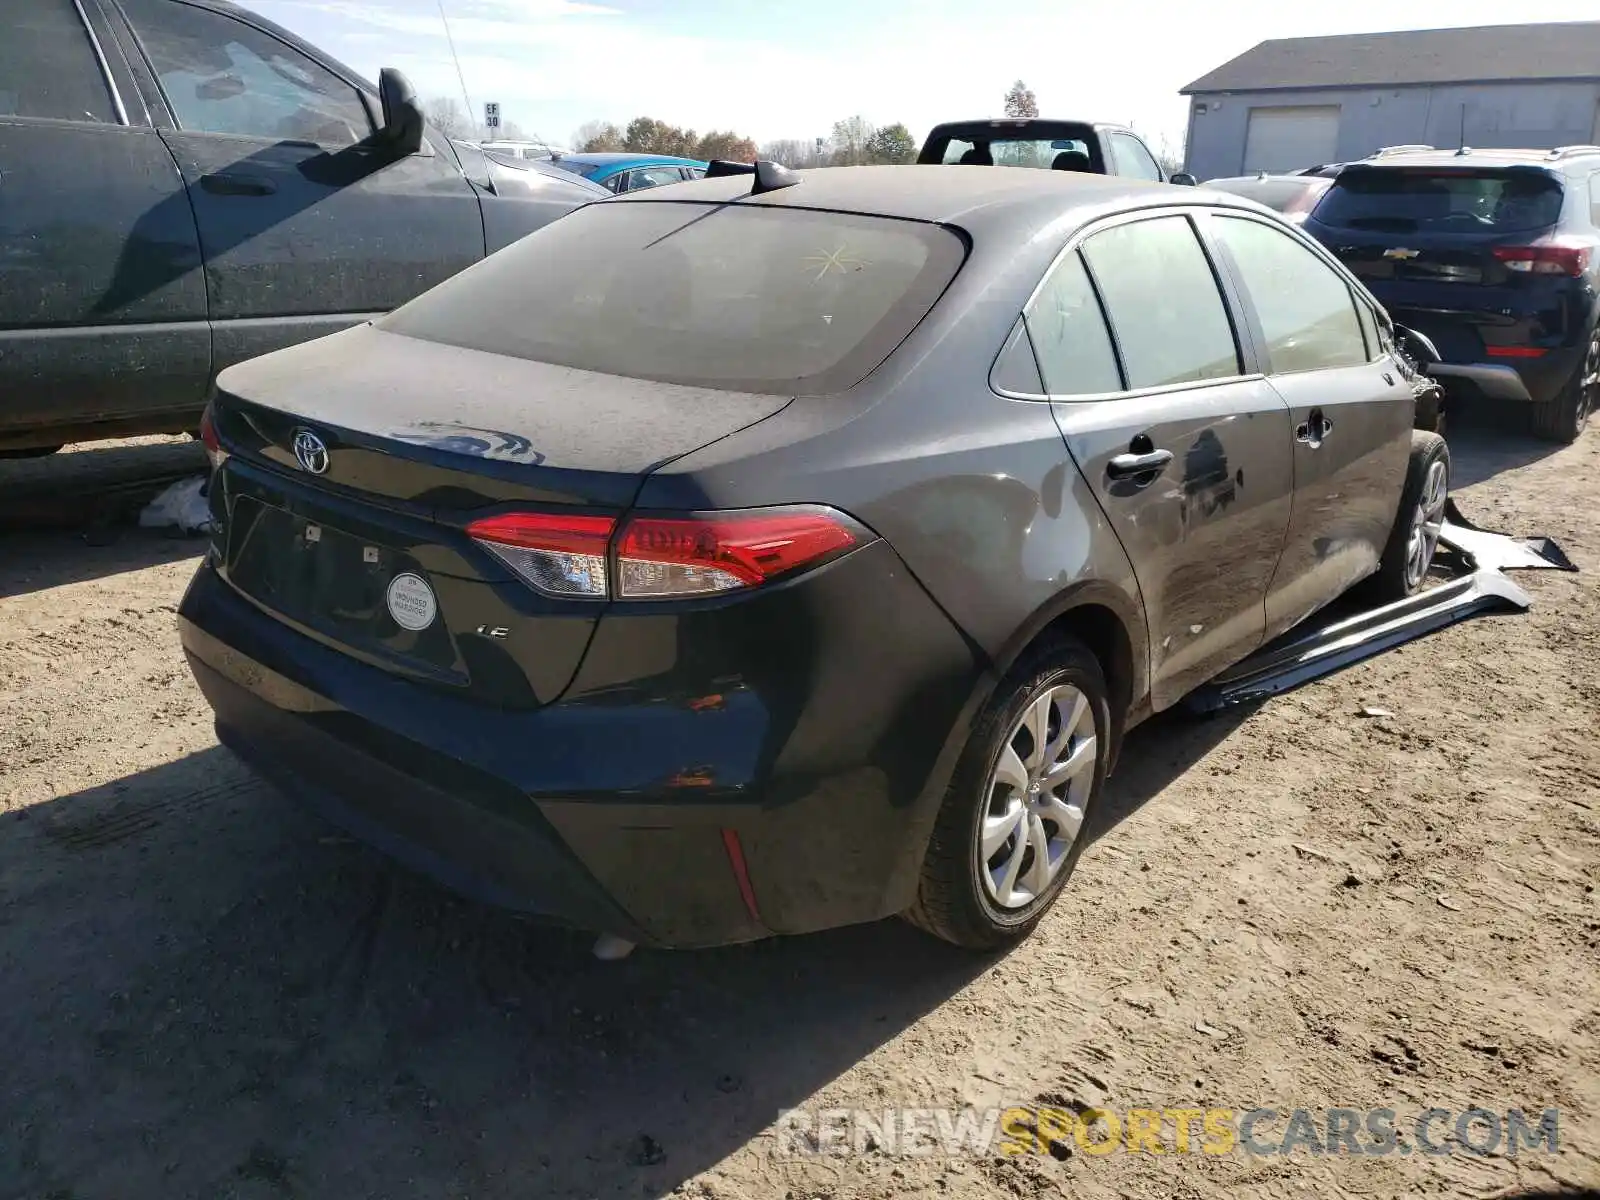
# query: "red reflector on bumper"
[[1514, 351], [741, 873]]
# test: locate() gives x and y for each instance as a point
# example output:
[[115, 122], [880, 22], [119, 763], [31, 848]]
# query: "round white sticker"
[[411, 602]]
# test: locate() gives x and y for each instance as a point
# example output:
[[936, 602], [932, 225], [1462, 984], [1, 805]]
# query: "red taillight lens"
[[215, 454], [559, 555], [693, 556], [1545, 258], [665, 557]]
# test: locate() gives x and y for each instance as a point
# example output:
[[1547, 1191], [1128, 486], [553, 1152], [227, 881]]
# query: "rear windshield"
[[1404, 201], [746, 298], [1015, 152]]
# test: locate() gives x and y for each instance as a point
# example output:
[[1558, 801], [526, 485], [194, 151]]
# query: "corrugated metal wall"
[[1538, 115]]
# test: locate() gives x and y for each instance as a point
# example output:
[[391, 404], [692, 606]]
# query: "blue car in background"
[[631, 172]]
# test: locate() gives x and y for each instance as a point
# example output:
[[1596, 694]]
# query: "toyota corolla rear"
[[433, 609], [1478, 257]]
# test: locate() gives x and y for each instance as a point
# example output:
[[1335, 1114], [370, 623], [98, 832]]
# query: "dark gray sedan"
[[779, 551]]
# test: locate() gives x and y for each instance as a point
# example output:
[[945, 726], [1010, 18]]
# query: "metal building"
[[1297, 102]]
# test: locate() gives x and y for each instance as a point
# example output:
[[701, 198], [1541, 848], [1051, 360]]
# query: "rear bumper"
[[672, 810], [1468, 371]]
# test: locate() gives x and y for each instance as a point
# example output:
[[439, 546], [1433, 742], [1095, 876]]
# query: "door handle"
[[1314, 430], [225, 184], [1129, 466]]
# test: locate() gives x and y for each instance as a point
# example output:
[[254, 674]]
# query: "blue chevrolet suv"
[[1492, 255]]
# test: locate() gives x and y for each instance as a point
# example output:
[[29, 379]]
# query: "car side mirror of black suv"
[[403, 121], [1184, 179]]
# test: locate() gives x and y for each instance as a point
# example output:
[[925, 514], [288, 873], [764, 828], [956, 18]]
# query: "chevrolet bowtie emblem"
[[1401, 252]]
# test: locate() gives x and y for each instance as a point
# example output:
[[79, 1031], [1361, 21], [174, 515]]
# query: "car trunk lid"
[[358, 537]]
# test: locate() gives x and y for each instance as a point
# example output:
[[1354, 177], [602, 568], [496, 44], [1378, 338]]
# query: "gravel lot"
[[205, 992]]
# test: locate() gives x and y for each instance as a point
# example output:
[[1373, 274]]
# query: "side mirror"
[[1416, 346], [403, 121], [1184, 179]]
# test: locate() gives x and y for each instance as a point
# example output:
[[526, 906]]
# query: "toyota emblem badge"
[[310, 451]]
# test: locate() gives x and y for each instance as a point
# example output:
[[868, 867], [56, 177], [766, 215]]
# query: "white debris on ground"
[[182, 506]]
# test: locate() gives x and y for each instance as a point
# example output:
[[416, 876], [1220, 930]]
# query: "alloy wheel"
[[1427, 522], [1037, 795], [1589, 384]]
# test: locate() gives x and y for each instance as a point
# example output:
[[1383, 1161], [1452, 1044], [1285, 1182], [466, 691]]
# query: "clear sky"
[[789, 70]]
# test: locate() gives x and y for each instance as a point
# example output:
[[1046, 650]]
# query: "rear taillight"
[[215, 454], [652, 557], [1545, 258], [558, 555]]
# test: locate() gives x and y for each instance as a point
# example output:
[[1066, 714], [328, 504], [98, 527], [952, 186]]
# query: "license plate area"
[[335, 583]]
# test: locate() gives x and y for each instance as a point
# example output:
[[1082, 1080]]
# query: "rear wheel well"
[[1102, 631]]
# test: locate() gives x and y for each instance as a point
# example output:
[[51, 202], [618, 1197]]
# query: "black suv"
[[1493, 255]]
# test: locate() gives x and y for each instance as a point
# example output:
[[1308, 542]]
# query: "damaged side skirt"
[[1288, 664]]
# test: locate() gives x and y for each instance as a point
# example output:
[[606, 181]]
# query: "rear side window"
[[1594, 200], [48, 66], [747, 298], [1441, 201], [1307, 311], [223, 76], [1069, 334], [1163, 302], [649, 177]]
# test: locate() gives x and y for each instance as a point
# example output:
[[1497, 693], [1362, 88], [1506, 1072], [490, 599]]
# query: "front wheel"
[[1012, 825], [1417, 525]]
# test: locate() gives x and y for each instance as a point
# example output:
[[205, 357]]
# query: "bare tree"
[[1021, 102], [1169, 156], [850, 139], [446, 115], [791, 152], [594, 137]]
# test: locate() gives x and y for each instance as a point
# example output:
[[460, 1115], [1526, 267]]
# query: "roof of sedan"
[[954, 195]]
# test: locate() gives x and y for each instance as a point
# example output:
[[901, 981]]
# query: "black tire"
[[1564, 418], [951, 902], [1393, 580]]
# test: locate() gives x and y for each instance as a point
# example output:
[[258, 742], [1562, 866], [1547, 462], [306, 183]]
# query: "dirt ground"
[[205, 992]]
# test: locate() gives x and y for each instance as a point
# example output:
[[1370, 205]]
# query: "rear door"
[[1351, 409], [305, 226], [102, 303], [1186, 448]]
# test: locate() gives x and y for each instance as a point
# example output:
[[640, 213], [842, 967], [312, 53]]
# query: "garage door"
[[1287, 139]]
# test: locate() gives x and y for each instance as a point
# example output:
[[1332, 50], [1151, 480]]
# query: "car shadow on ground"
[[206, 991], [36, 562], [1485, 442]]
